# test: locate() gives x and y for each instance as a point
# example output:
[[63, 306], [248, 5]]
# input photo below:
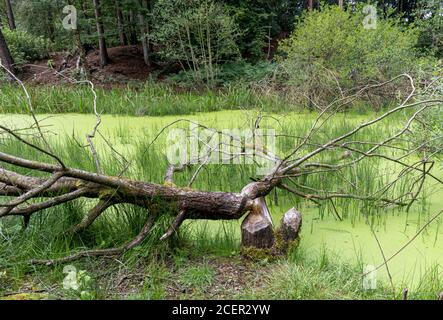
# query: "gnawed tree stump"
[[257, 228], [289, 231], [259, 239], [290, 225]]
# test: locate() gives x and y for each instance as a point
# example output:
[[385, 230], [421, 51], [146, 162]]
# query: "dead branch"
[[104, 252]]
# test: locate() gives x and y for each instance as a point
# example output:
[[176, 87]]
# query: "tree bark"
[[290, 225], [10, 14], [132, 28], [120, 25], [257, 229], [5, 54], [144, 29], [104, 58], [341, 3], [310, 4], [400, 6], [196, 204]]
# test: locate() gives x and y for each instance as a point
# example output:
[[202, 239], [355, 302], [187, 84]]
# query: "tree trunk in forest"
[[10, 15], [120, 25], [341, 3], [104, 58], [310, 4], [5, 54], [82, 51], [400, 6], [133, 32], [51, 27], [144, 29]]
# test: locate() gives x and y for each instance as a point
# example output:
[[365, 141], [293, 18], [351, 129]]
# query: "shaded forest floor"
[[126, 65]]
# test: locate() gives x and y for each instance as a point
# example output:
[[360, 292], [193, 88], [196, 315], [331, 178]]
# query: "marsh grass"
[[150, 99], [324, 276], [302, 276], [148, 163]]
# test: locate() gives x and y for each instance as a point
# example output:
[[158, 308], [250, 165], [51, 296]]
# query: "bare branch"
[[104, 252], [93, 214], [175, 225]]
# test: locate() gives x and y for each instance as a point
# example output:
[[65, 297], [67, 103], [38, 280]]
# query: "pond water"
[[350, 240]]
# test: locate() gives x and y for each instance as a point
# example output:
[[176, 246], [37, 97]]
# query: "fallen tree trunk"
[[67, 184], [63, 184], [197, 204]]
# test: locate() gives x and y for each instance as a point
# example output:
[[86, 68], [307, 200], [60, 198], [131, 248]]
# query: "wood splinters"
[[175, 225]]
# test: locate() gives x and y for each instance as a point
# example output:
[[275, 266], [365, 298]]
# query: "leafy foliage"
[[227, 74], [26, 47], [331, 52], [430, 24], [260, 19], [45, 20], [196, 34]]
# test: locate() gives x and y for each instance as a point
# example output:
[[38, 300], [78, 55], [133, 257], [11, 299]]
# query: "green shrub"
[[26, 47], [429, 22], [331, 52], [427, 133], [197, 34], [259, 19], [227, 74]]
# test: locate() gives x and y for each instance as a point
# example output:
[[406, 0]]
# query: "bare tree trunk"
[[133, 32], [310, 4], [5, 54], [341, 3], [144, 29], [104, 58], [82, 51], [400, 6], [10, 15], [120, 25]]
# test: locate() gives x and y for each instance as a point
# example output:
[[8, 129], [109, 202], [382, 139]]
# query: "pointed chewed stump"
[[290, 225], [260, 241], [257, 228], [289, 231]]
